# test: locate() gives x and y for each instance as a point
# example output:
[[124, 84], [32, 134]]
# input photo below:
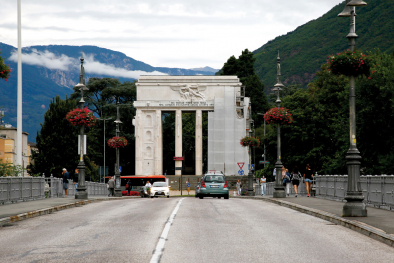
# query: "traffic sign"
[[241, 165], [241, 172], [178, 158], [252, 167], [260, 162]]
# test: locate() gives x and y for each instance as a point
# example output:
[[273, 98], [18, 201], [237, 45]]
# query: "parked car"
[[213, 185], [197, 189], [160, 189]]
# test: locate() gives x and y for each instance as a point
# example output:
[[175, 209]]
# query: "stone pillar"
[[178, 139], [158, 144], [138, 138], [199, 170]]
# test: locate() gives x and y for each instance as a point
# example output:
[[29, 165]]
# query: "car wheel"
[[168, 196], [142, 196], [196, 196], [151, 196], [226, 196], [201, 197], [157, 196], [219, 197]]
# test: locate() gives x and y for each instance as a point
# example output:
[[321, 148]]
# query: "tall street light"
[[103, 119], [250, 174], [118, 191], [354, 195], [81, 193], [279, 188]]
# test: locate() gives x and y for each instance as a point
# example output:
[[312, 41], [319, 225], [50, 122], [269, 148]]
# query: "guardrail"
[[270, 189], [378, 190], [20, 189]]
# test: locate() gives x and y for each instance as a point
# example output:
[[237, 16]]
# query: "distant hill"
[[206, 69], [53, 70], [306, 48]]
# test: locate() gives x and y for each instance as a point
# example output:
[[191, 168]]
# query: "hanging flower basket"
[[349, 63], [4, 70], [79, 117], [278, 116], [250, 141], [117, 142]]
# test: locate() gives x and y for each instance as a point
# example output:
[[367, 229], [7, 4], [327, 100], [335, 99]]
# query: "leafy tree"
[[57, 142], [319, 134], [8, 169]]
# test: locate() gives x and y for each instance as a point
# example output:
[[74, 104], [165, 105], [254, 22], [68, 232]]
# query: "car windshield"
[[214, 178], [159, 184]]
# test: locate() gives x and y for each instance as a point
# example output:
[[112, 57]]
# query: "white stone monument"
[[228, 121]]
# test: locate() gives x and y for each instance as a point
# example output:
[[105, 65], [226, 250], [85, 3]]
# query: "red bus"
[[138, 181]]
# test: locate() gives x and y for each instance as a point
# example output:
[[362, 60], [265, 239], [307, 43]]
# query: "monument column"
[[178, 139], [158, 145], [138, 154], [199, 170]]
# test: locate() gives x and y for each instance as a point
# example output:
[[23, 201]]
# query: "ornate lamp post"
[[250, 174], [279, 188], [354, 196], [81, 193], [118, 191]]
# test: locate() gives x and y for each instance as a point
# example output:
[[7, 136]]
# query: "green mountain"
[[41, 81], [305, 49]]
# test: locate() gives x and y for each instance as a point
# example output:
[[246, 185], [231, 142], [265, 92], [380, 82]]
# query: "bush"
[[126, 193], [134, 193]]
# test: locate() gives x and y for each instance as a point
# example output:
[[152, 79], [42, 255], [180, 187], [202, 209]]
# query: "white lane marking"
[[162, 240]]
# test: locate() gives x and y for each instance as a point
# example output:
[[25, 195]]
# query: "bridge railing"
[[378, 190], [19, 189]]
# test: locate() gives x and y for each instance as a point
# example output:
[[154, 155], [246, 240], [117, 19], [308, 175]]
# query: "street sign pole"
[[179, 168]]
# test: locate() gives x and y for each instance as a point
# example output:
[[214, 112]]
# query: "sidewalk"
[[19, 211], [379, 224]]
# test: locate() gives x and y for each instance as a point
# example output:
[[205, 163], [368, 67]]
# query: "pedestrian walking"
[[76, 179], [295, 179], [238, 185], [263, 182], [288, 182], [66, 176], [147, 187], [308, 175], [188, 187], [274, 173], [128, 186], [111, 186]]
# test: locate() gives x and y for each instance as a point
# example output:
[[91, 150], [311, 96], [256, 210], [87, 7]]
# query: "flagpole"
[[19, 142]]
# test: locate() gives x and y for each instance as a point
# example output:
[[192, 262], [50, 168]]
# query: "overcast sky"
[[165, 33]]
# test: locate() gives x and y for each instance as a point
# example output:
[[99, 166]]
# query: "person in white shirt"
[[263, 182], [148, 186]]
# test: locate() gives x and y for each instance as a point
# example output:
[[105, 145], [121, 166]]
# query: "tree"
[[57, 142]]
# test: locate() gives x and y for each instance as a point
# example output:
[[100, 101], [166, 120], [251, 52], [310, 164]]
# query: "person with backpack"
[[295, 179]]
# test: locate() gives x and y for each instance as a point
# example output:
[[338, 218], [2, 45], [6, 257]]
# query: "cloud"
[[45, 59], [95, 67], [51, 61]]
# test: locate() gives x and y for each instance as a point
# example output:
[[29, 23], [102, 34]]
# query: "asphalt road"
[[185, 230]]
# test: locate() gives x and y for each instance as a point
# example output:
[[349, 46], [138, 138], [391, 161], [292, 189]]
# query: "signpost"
[[180, 168]]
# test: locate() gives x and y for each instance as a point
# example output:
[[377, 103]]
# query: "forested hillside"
[[306, 48]]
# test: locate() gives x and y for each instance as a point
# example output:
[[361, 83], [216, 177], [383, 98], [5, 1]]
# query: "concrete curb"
[[357, 226], [8, 220]]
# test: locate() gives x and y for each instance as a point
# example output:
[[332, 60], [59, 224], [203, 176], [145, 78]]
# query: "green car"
[[213, 185]]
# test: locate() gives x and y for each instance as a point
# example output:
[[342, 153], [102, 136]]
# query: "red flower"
[[81, 117], [117, 142]]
